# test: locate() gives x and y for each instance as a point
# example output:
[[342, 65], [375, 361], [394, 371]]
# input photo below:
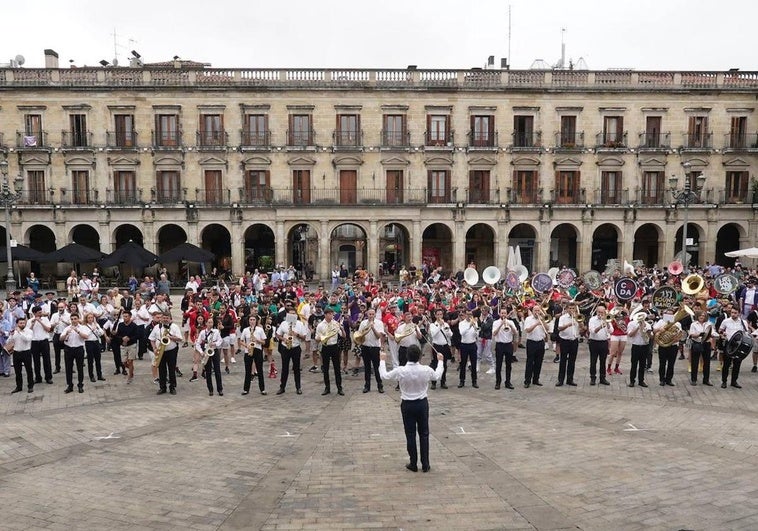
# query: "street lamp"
[[686, 197], [7, 199]]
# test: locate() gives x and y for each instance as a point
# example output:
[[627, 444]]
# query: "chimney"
[[51, 59]]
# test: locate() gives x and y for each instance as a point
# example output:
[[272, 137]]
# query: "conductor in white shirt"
[[414, 384]]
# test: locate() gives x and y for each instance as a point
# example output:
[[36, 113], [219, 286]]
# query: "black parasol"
[[21, 252], [186, 252], [73, 253], [130, 253]]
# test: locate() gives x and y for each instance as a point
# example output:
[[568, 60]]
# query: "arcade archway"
[[727, 239], [260, 250], [437, 248], [480, 245], [348, 246], [217, 239], [605, 246], [647, 245], [563, 246]]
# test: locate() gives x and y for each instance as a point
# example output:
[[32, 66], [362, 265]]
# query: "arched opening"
[[605, 246], [42, 239], [260, 250], [480, 246], [303, 249], [727, 239], [169, 236], [563, 246], [217, 239], [86, 235], [126, 233], [525, 237], [393, 248], [348, 246], [693, 244], [647, 245], [437, 248]]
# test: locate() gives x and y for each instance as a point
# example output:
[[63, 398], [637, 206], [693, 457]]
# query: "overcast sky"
[[644, 34]]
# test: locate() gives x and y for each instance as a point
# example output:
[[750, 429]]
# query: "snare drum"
[[739, 345]]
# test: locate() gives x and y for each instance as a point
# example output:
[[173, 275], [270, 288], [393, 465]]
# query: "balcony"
[[437, 140], [733, 197], [741, 142], [212, 196], [167, 139], [569, 141], [76, 139], [336, 197], [482, 141], [70, 197], [32, 140], [608, 197], [211, 140], [254, 140], [524, 197], [526, 141], [126, 140], [482, 196], [396, 140], [608, 140], [654, 141], [36, 197], [123, 197], [652, 197], [697, 141], [256, 196], [348, 140], [168, 197], [301, 140], [564, 197]]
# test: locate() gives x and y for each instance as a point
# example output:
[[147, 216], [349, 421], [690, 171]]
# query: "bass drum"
[[739, 345]]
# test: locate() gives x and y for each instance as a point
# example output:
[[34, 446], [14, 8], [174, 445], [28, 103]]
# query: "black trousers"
[[141, 342], [503, 350], [569, 348], [598, 355], [468, 353], [402, 355], [57, 348], [639, 363], [331, 353], [370, 357], [73, 355], [700, 351], [535, 354], [416, 419], [23, 358], [735, 365], [257, 359], [445, 351], [94, 353], [40, 359], [666, 360], [290, 355], [116, 349], [213, 365], [167, 369]]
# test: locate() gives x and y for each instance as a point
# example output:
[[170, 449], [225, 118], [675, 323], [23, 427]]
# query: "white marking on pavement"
[[632, 427], [462, 432], [110, 436], [288, 435]]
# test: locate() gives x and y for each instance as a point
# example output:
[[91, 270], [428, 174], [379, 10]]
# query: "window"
[[167, 130], [738, 132], [78, 131], [523, 131], [80, 187], [438, 129], [257, 186], [567, 187], [736, 186], [652, 132], [568, 137], [33, 136], [126, 137], [613, 131], [301, 187], [348, 130], [124, 187], [300, 133], [439, 186], [525, 186], [168, 187], [394, 187], [479, 186], [348, 187], [610, 187], [394, 131], [482, 131], [652, 188], [211, 133], [36, 187], [256, 130], [697, 132], [214, 194]]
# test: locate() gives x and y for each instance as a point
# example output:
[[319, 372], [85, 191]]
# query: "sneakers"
[[129, 380], [194, 378], [617, 371], [233, 360], [226, 370], [491, 370], [156, 381], [556, 359], [754, 369], [179, 373], [609, 370], [313, 369]]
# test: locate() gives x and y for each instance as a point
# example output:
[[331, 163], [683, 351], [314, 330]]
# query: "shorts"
[[229, 341], [129, 352], [618, 339]]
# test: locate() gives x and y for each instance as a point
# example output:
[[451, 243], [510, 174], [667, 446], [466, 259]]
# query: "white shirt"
[[257, 337], [59, 321], [570, 333], [284, 331], [538, 334], [173, 332], [412, 338], [440, 333], [372, 339], [601, 335], [75, 336], [730, 326], [469, 332], [697, 329], [506, 330], [412, 377], [22, 340], [208, 338], [325, 328], [634, 331], [39, 328]]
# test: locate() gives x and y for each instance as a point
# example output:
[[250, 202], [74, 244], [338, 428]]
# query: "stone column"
[[280, 245], [324, 266], [413, 253], [372, 249]]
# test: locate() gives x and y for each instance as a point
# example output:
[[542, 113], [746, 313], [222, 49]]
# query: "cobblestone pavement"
[[118, 456]]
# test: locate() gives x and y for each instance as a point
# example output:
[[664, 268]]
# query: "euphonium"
[[164, 341], [692, 284], [670, 334]]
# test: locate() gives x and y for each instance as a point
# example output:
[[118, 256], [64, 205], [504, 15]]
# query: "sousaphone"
[[675, 268], [471, 276], [491, 275]]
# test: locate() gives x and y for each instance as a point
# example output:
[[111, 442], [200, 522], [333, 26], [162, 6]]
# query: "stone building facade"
[[362, 166]]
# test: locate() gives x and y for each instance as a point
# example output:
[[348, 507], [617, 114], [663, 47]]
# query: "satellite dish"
[[115, 61], [20, 60]]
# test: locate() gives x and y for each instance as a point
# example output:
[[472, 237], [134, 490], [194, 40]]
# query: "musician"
[[328, 334], [407, 333], [142, 319], [291, 332], [413, 379], [638, 332], [197, 355], [599, 337], [667, 355], [125, 337], [391, 319], [374, 329], [441, 335], [484, 344], [727, 330], [315, 318], [618, 338], [700, 336], [92, 348], [73, 338], [748, 297], [536, 334], [469, 328], [40, 327], [167, 363], [211, 338], [228, 330], [503, 333], [568, 335], [20, 343], [251, 341]]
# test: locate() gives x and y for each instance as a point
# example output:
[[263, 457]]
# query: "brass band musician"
[[328, 333], [441, 335], [503, 333], [701, 332], [599, 336]]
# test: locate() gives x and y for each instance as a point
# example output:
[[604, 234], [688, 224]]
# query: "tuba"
[[471, 276], [692, 284], [491, 275], [670, 334]]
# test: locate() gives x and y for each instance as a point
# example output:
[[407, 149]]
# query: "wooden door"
[[394, 187], [348, 183]]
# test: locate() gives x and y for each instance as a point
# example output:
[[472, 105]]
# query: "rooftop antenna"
[[510, 57], [562, 61]]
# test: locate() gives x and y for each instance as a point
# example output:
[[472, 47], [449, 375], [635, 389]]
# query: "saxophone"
[[288, 340], [207, 352], [165, 340]]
